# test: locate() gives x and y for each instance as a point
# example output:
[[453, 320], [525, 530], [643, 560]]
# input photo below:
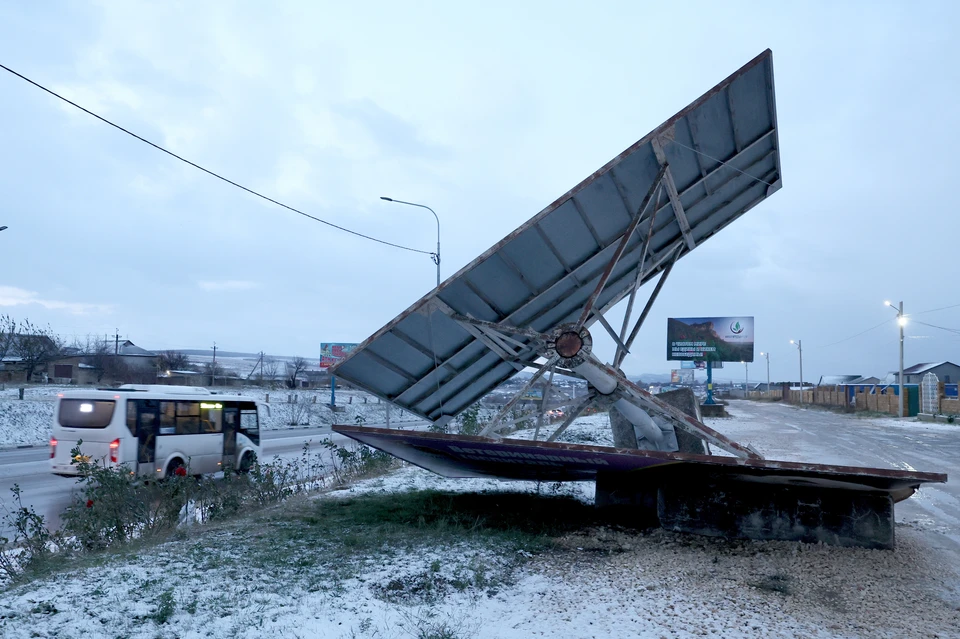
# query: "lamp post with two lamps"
[[902, 321], [434, 256], [799, 344]]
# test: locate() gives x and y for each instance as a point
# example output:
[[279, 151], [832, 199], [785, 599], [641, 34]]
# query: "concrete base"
[[626, 500], [754, 510], [713, 410], [945, 419], [748, 509]]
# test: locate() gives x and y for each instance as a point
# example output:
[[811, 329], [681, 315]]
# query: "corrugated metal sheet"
[[724, 159]]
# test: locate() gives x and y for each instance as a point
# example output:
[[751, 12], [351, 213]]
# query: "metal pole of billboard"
[[799, 344], [901, 320], [333, 391], [709, 383], [746, 379]]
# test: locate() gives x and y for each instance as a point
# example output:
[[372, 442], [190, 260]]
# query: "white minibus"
[[154, 430]]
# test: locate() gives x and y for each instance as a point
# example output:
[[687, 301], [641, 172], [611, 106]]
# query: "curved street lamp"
[[902, 321], [434, 256]]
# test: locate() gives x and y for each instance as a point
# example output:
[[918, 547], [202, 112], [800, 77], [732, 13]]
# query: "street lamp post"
[[799, 344], [767, 355], [902, 321], [434, 256]]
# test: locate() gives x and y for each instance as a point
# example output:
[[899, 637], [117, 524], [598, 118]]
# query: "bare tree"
[[8, 332], [173, 361], [37, 346], [270, 368], [97, 352], [213, 370], [294, 369]]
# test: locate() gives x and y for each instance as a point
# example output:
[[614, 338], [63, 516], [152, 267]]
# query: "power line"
[[208, 171], [942, 328], [847, 339], [932, 310]]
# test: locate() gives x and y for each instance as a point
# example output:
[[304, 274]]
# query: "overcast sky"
[[487, 113]]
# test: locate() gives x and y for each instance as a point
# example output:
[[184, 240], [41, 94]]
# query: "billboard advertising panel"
[[333, 352], [717, 339], [681, 376]]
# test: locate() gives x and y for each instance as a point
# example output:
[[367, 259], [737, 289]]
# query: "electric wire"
[[942, 328], [864, 332], [209, 172], [933, 310]]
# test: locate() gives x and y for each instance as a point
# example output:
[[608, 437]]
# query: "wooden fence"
[[878, 399]]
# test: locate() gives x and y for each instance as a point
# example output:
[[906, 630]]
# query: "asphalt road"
[[781, 431], [49, 495]]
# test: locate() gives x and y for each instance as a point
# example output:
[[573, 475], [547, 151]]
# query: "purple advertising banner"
[[468, 456]]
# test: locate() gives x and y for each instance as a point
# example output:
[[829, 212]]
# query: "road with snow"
[[49, 495], [781, 431]]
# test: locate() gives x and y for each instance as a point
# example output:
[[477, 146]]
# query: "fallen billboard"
[[714, 339]]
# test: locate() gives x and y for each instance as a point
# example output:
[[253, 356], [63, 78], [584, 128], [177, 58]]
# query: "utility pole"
[[799, 344], [116, 343], [213, 367], [901, 321], [767, 355]]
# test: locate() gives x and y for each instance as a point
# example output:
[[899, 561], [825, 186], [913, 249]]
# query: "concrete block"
[[752, 510], [713, 410], [629, 498]]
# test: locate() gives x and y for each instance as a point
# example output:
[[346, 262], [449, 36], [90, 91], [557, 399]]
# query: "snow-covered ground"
[[28, 422], [597, 581]]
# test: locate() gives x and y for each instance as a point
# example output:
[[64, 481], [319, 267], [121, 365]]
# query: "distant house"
[[838, 380], [946, 372], [26, 356], [124, 361], [870, 380]]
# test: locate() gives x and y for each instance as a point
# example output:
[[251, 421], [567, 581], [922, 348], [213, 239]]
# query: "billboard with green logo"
[[715, 339]]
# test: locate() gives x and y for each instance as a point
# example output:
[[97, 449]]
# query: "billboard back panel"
[[717, 339]]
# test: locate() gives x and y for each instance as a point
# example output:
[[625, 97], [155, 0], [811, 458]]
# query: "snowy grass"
[[414, 555]]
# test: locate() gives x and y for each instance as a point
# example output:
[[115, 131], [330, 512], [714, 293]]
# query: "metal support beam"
[[644, 313], [574, 413], [673, 195], [464, 320], [616, 338], [543, 404], [636, 285], [621, 247], [492, 426]]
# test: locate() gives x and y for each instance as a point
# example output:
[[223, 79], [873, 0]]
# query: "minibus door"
[[148, 423], [231, 422]]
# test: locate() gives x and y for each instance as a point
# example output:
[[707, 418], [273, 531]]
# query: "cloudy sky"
[[486, 112]]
